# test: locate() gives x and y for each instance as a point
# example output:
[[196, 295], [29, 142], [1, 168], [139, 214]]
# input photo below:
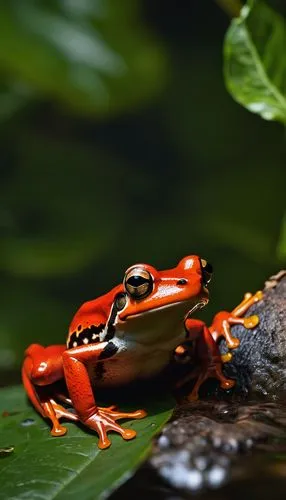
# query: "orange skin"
[[147, 317]]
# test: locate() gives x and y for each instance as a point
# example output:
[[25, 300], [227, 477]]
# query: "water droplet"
[[5, 452], [27, 422]]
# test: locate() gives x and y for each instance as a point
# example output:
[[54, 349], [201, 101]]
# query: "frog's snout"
[[207, 271]]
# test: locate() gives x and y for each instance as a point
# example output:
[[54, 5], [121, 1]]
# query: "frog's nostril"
[[182, 281]]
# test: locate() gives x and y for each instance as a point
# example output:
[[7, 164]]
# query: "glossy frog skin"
[[131, 333]]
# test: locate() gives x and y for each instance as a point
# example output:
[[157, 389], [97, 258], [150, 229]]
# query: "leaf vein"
[[261, 72]]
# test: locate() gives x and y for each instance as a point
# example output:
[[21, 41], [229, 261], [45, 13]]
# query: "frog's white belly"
[[133, 361]]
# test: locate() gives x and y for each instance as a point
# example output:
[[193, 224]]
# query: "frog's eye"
[[138, 283]]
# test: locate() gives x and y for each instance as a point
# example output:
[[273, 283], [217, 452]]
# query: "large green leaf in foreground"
[[72, 466], [255, 61]]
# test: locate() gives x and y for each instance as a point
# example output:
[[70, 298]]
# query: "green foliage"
[[79, 53], [255, 61], [281, 248], [72, 466], [57, 207]]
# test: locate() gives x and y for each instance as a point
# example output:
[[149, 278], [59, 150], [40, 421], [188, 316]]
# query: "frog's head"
[[151, 299]]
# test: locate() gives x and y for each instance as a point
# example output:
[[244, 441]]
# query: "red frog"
[[131, 333]]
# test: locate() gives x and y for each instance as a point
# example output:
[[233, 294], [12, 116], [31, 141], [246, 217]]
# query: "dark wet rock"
[[220, 449], [259, 363], [197, 449]]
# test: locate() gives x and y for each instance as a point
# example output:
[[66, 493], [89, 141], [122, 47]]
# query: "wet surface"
[[27, 422], [217, 449], [6, 452]]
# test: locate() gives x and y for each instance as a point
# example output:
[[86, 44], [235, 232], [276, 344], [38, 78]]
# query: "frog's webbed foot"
[[105, 420], [206, 371], [221, 326], [54, 412]]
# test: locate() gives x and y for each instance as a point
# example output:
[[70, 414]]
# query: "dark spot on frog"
[[99, 371], [79, 328], [108, 351]]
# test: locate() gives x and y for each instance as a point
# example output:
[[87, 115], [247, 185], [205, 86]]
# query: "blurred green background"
[[121, 144]]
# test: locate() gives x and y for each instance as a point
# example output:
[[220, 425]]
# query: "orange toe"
[[129, 434], [251, 321], [58, 431]]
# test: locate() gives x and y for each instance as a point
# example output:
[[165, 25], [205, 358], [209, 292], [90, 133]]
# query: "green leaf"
[[255, 61], [72, 466], [97, 58]]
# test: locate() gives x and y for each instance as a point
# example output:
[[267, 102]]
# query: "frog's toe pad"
[[259, 295], [58, 430], [227, 384], [251, 321], [128, 434], [104, 443], [226, 358], [233, 343]]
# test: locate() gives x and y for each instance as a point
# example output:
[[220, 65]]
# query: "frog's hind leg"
[[41, 368], [207, 355]]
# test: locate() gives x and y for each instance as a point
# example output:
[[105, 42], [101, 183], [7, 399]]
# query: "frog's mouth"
[[199, 305]]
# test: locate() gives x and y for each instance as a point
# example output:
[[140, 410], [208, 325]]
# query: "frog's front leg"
[[80, 390], [207, 358], [222, 322]]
